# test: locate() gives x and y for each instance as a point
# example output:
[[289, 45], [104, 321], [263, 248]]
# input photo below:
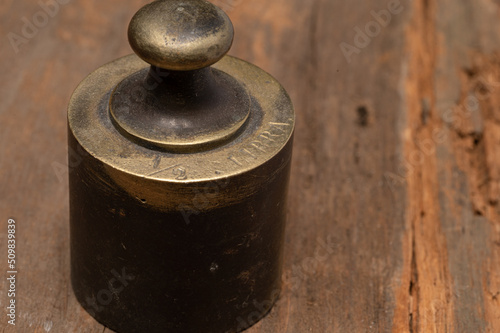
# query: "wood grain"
[[394, 215]]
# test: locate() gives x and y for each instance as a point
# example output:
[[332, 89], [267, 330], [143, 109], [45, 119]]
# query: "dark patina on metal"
[[178, 198]]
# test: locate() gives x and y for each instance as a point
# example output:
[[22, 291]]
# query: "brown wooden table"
[[394, 214]]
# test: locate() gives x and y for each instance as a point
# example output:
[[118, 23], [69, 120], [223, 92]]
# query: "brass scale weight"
[[177, 208]]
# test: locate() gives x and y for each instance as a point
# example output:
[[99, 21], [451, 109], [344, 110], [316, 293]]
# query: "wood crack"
[[413, 289]]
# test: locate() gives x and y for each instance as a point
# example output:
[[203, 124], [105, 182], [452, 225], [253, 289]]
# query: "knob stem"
[[181, 85]]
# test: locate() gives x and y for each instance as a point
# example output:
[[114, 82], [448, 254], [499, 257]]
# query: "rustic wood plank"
[[451, 167], [394, 214], [468, 161]]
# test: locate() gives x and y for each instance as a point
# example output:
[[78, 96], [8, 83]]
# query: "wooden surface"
[[394, 219]]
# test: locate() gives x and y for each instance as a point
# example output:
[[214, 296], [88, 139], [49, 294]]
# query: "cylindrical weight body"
[[172, 242], [211, 264]]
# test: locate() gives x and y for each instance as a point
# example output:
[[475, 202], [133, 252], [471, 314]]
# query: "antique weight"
[[179, 167]]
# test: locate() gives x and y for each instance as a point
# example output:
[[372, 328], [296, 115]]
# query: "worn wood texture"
[[394, 215]]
